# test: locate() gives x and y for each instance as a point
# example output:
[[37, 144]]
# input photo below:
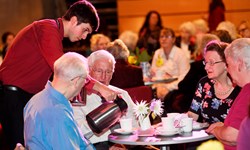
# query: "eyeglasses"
[[211, 63], [166, 36], [100, 72], [243, 29], [81, 76]]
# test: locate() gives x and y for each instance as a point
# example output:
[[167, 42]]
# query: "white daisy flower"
[[141, 109]]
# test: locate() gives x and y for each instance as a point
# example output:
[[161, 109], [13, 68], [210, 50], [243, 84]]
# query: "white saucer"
[[121, 131], [198, 125], [163, 132]]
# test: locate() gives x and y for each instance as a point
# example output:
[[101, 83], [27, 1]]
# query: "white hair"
[[239, 49], [129, 38], [229, 27], [201, 25], [70, 65], [100, 54], [189, 26]]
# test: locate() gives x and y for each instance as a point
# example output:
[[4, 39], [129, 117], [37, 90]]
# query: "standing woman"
[[215, 93], [216, 14], [150, 32]]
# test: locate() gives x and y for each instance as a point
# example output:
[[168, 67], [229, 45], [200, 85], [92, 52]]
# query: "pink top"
[[238, 111]]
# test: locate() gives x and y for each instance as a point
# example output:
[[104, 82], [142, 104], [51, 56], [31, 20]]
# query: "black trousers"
[[12, 102]]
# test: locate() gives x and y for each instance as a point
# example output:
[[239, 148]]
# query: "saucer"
[[199, 126], [161, 131], [121, 131]]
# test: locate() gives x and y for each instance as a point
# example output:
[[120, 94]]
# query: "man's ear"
[[73, 21], [241, 65]]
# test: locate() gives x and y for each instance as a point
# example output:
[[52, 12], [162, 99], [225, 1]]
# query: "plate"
[[198, 125], [162, 132], [121, 131]]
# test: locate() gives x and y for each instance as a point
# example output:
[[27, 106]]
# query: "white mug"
[[167, 123], [187, 124], [126, 124]]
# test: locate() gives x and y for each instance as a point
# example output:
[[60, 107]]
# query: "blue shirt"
[[49, 123]]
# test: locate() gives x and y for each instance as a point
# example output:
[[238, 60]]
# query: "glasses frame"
[[211, 63]]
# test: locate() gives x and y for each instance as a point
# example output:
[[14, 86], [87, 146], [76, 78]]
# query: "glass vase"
[[144, 122]]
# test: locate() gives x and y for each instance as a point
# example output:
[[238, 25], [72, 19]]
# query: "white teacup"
[[173, 115], [126, 124], [187, 124], [167, 123]]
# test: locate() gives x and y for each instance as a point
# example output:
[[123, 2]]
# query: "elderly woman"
[[215, 93], [125, 75], [186, 40], [168, 61], [97, 42]]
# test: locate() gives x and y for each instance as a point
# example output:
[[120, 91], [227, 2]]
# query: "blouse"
[[207, 105]]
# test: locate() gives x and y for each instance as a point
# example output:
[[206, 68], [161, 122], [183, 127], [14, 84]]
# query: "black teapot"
[[106, 115]]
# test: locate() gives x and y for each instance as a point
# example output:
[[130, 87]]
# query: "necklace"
[[224, 92]]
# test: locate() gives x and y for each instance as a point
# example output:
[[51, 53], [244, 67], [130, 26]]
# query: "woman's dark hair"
[[5, 36], [85, 13], [218, 47], [146, 22], [223, 35], [216, 3]]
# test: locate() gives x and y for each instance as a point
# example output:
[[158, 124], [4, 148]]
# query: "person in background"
[[7, 39], [180, 100], [201, 28], [149, 32], [101, 67], [99, 42], [186, 40], [238, 62], [215, 93], [130, 39], [244, 29], [125, 75], [229, 27], [216, 14], [21, 77], [48, 116], [223, 35], [244, 133], [168, 61]]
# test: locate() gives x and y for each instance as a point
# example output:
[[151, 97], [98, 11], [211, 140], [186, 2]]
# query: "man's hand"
[[19, 146], [105, 91]]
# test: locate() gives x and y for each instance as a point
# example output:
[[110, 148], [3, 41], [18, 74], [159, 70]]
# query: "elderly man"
[[48, 116], [101, 66], [237, 57]]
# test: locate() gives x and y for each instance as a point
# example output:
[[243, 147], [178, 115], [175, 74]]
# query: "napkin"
[[196, 134], [152, 139]]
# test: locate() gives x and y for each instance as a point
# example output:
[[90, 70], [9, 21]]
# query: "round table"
[[163, 141]]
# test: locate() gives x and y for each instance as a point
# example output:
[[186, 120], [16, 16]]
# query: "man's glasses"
[[100, 72], [81, 76], [211, 63]]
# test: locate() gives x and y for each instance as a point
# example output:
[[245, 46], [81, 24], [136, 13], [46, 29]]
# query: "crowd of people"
[[210, 59]]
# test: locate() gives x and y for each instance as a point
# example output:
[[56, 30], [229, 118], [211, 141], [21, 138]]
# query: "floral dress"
[[211, 108]]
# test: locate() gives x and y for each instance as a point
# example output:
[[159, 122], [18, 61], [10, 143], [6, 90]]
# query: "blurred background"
[[116, 15]]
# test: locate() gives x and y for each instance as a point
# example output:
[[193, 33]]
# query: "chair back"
[[140, 93]]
